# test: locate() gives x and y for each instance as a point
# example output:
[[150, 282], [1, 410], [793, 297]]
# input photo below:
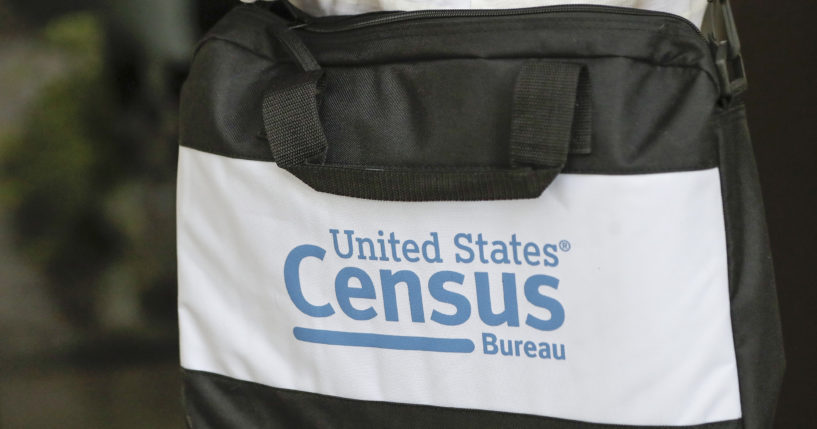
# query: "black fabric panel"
[[427, 184], [436, 112], [220, 109], [217, 402], [443, 113], [545, 120], [413, 112], [654, 40], [648, 119], [651, 104], [755, 316]]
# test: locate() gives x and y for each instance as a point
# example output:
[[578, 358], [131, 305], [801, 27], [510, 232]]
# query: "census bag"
[[527, 218]]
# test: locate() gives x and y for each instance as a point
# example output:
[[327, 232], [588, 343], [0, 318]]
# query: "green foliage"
[[81, 35], [50, 165], [83, 201]]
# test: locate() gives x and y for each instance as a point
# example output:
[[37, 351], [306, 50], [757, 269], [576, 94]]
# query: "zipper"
[[725, 48], [383, 18]]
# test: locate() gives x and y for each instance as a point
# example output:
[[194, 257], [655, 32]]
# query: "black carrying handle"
[[551, 117]]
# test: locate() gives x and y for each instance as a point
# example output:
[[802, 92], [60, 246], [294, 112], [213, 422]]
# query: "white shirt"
[[692, 10]]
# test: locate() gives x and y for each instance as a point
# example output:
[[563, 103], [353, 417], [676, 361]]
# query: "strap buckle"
[[722, 34]]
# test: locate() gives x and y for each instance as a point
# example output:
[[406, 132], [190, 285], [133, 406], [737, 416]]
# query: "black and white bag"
[[544, 217]]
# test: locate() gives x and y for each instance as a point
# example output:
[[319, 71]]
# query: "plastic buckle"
[[723, 35]]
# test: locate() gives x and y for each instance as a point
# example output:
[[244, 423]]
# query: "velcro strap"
[[551, 113], [291, 120]]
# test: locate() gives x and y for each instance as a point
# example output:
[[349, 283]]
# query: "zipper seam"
[[262, 13], [400, 17], [272, 60]]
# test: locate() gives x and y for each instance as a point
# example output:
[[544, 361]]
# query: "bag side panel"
[[755, 314]]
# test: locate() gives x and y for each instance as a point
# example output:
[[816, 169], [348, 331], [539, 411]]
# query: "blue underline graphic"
[[380, 341]]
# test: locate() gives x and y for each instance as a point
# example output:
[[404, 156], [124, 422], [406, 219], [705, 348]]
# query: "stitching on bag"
[[694, 167]]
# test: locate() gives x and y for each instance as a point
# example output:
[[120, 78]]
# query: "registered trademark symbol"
[[564, 245]]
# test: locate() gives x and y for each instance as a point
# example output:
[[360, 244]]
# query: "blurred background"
[[88, 119]]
